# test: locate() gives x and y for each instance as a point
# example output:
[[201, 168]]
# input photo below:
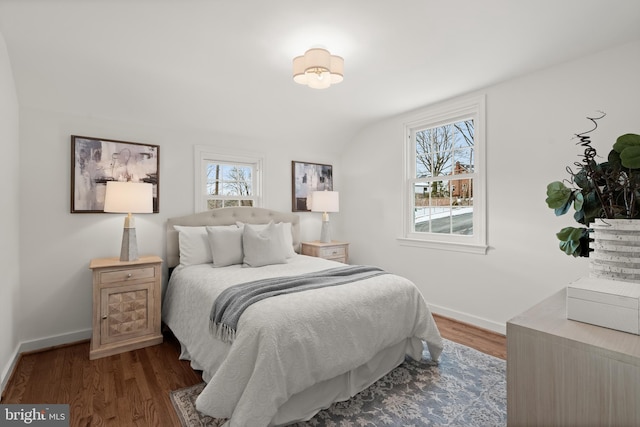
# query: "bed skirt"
[[304, 405]]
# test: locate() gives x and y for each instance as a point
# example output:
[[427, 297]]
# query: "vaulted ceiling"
[[225, 66]]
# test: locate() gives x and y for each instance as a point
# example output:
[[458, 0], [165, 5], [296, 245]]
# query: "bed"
[[294, 354]]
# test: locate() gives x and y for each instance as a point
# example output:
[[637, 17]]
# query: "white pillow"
[[226, 245], [287, 235], [263, 247], [194, 245]]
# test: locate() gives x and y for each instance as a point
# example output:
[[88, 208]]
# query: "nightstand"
[[336, 251], [126, 305]]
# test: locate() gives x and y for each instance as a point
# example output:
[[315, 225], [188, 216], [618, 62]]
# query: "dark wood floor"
[[132, 389], [128, 389]]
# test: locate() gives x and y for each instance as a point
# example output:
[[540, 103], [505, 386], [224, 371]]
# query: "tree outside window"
[[229, 185], [227, 179], [444, 203], [444, 194]]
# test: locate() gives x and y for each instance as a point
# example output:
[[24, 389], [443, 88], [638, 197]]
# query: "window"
[[444, 196], [226, 180]]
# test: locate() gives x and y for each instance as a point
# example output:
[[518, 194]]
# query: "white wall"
[[9, 216], [56, 246], [530, 124]]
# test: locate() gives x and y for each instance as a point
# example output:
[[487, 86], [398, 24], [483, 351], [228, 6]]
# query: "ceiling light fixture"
[[318, 69]]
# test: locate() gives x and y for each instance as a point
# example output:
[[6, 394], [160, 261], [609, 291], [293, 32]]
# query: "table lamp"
[[129, 198], [325, 202]]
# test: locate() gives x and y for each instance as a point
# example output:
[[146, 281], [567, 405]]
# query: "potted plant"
[[607, 190]]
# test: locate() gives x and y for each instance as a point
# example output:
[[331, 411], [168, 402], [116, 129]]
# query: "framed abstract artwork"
[[307, 178], [94, 161]]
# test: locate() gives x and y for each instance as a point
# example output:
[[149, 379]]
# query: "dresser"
[[126, 305], [563, 372], [336, 251]]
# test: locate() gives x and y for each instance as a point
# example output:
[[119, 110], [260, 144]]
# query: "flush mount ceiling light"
[[318, 69]]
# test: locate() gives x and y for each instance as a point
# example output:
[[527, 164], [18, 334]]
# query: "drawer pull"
[[104, 317], [129, 275]]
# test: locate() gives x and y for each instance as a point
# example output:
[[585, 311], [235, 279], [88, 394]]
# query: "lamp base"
[[325, 233], [129, 249]]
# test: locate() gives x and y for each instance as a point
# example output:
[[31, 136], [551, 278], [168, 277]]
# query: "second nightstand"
[[336, 251]]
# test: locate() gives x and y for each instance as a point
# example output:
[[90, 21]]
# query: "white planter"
[[616, 250]]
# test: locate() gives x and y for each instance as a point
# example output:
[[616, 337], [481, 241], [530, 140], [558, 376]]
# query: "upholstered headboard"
[[227, 216]]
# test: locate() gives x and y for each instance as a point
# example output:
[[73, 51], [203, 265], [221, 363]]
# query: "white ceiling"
[[225, 66]]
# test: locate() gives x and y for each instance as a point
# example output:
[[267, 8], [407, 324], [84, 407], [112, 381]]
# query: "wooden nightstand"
[[336, 251], [126, 305]]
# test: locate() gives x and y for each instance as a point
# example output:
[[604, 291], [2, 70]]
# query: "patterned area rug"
[[467, 388]]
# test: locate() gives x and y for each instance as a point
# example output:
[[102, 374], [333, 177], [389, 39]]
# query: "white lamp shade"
[[298, 70], [337, 69], [318, 69], [325, 201], [128, 197], [317, 58]]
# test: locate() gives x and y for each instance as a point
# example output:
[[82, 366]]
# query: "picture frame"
[[94, 161], [306, 178]]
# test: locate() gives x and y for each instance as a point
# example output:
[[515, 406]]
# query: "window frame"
[[204, 155], [464, 108]]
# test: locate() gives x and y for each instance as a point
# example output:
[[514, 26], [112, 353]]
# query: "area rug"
[[467, 388]]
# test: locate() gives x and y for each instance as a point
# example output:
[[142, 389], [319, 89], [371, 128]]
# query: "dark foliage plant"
[[609, 189]]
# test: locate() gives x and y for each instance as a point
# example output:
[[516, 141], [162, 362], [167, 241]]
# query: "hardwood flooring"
[[481, 339], [132, 389], [127, 389]]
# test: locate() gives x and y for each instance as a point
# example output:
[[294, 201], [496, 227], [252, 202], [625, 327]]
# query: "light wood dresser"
[[336, 251], [126, 305], [563, 372]]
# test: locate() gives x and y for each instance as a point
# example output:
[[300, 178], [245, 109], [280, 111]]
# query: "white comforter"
[[288, 343]]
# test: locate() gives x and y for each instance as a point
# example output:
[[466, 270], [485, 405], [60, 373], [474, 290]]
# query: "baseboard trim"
[[480, 322], [38, 345], [8, 371], [54, 340]]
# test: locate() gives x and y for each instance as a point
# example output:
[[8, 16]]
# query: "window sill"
[[447, 246]]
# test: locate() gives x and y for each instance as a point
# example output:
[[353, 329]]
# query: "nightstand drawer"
[[333, 252], [128, 274]]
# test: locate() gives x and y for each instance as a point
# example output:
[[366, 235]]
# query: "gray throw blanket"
[[233, 301]]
